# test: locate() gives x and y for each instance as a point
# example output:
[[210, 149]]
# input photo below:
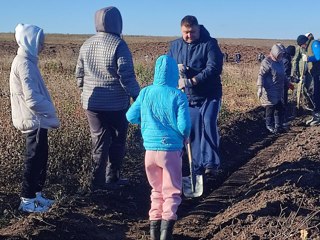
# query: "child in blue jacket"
[[162, 111]]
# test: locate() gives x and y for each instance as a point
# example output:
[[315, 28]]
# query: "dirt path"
[[272, 191], [269, 185], [259, 197]]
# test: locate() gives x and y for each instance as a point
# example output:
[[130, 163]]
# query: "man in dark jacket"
[[202, 60]]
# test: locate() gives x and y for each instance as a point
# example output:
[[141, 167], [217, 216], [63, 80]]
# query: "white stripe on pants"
[[164, 173]]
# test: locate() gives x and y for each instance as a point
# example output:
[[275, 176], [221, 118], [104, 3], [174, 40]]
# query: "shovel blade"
[[192, 187]]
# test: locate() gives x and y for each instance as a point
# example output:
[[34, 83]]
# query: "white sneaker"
[[315, 122], [285, 124], [309, 121], [43, 201], [31, 205], [271, 129]]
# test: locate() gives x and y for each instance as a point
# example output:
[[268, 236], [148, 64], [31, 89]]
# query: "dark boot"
[[270, 124], [278, 124], [155, 229], [166, 229]]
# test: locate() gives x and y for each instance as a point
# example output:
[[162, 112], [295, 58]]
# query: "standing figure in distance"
[[238, 57], [225, 57], [33, 113], [162, 111], [202, 58], [106, 77], [260, 57]]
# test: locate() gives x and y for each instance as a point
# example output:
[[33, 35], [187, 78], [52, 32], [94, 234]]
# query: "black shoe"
[[111, 185], [122, 182], [211, 172], [114, 185], [97, 187], [280, 130]]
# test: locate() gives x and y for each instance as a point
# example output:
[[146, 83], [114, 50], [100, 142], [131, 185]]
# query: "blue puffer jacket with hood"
[[162, 109], [204, 60]]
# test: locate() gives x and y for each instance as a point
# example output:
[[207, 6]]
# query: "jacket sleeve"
[[133, 115], [214, 62], [170, 52], [80, 71], [264, 70], [183, 116], [295, 63], [126, 70], [32, 94]]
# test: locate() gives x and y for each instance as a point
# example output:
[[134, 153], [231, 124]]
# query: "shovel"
[[192, 185], [300, 84]]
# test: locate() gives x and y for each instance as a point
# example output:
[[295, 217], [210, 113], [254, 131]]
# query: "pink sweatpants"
[[164, 173]]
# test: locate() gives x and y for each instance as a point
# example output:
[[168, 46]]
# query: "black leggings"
[[35, 163], [275, 114]]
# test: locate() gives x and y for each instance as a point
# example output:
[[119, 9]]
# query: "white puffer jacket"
[[31, 105]]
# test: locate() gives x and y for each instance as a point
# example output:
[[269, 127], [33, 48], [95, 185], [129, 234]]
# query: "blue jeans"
[[204, 137], [316, 93]]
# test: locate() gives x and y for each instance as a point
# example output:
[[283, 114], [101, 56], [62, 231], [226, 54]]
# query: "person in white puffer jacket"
[[33, 113]]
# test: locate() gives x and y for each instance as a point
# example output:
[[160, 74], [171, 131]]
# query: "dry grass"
[[239, 87], [70, 144]]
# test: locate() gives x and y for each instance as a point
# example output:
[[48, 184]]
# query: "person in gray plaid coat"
[[106, 77]]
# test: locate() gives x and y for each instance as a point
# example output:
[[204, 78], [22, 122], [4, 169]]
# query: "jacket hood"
[[108, 20], [316, 49], [204, 34], [29, 37], [276, 50], [166, 72]]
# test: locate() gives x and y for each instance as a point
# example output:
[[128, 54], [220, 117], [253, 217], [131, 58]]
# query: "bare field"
[[269, 187]]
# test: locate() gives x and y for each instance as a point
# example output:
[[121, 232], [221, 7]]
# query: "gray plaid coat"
[[105, 73]]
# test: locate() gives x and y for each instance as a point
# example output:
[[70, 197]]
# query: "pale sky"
[[273, 19]]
